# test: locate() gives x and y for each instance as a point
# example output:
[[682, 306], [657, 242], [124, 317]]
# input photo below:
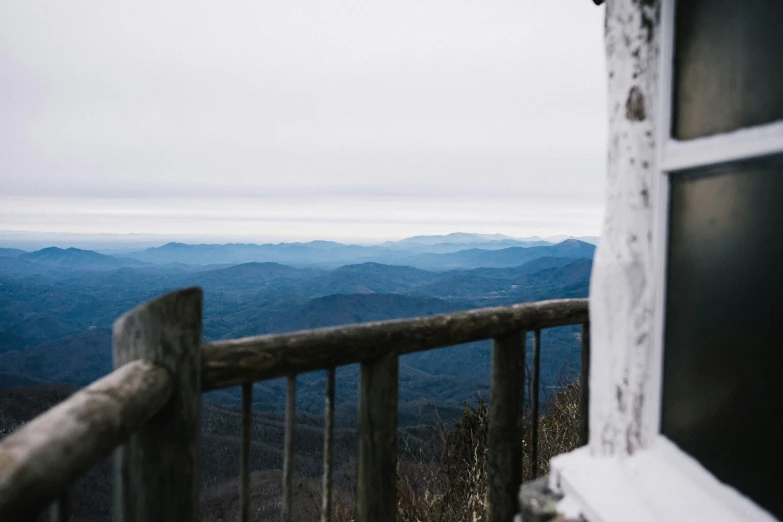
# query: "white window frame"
[[662, 482], [676, 156]]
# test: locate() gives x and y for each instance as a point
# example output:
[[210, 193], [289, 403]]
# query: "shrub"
[[451, 485]]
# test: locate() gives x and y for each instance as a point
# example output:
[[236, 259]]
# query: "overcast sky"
[[297, 120]]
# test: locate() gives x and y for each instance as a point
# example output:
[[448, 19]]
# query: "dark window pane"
[[723, 355], [728, 65]]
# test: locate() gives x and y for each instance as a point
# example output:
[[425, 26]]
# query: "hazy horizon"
[[294, 122], [114, 243]]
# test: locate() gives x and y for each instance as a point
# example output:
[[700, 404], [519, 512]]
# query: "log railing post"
[[326, 497], [584, 387], [504, 437], [376, 494], [157, 470]]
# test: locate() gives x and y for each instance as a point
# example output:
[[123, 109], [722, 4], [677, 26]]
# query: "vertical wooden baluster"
[[376, 490], [534, 403], [157, 470], [504, 436], [244, 462], [326, 495], [584, 387], [59, 511], [288, 449]]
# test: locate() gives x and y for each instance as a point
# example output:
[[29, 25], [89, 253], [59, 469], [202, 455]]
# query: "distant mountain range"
[[316, 254], [119, 244], [11, 252], [327, 254], [468, 238], [506, 257], [439, 256], [57, 306], [54, 258]]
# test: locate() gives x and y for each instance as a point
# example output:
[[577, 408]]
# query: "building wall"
[[622, 295]]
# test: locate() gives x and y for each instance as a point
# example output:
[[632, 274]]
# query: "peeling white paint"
[[622, 292]]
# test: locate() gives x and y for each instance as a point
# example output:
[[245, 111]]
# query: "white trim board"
[[660, 186], [658, 484], [752, 142]]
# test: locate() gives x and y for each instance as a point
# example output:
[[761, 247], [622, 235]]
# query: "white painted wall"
[[622, 292]]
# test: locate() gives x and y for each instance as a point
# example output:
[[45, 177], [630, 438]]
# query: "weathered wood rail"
[[46, 455], [232, 362], [149, 407]]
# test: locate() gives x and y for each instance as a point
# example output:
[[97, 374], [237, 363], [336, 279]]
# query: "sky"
[[268, 120]]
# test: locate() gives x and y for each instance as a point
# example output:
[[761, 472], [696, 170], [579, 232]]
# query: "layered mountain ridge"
[[57, 307]]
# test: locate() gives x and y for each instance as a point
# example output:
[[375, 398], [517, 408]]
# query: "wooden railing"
[[149, 408]]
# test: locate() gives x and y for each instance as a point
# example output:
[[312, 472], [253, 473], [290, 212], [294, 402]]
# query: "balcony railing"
[[148, 409]]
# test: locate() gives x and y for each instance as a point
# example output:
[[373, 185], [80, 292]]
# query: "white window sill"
[[659, 484]]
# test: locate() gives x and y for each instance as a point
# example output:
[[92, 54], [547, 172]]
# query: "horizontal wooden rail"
[[236, 361], [45, 456]]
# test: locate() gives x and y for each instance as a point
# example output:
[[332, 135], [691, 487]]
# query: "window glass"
[[723, 354], [728, 67]]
